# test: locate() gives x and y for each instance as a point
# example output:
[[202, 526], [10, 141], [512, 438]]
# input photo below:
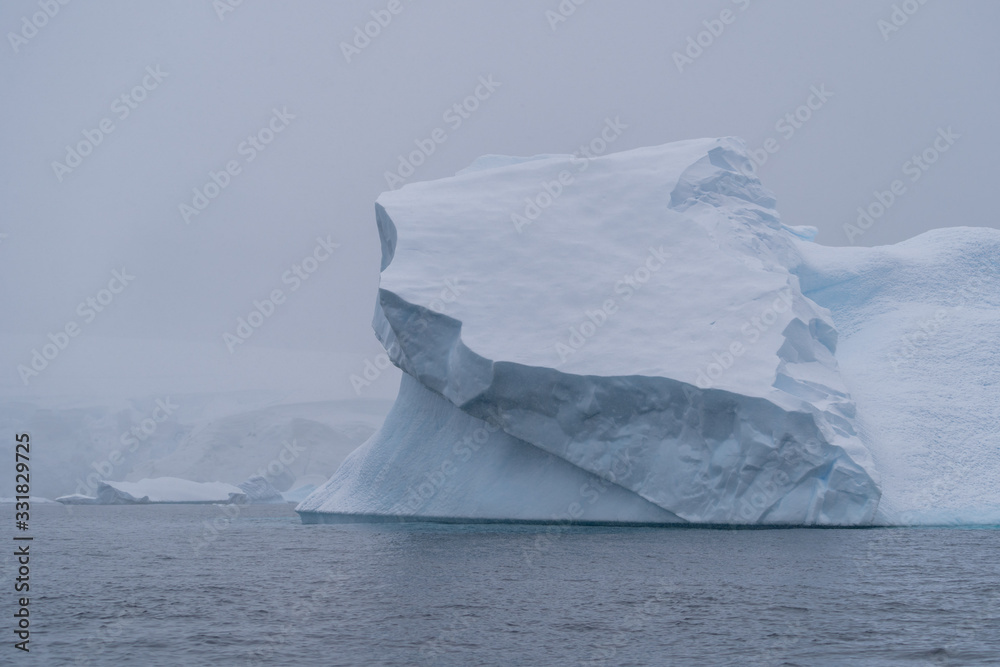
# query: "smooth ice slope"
[[919, 327], [430, 459], [635, 307]]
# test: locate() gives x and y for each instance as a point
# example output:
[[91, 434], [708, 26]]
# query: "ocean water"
[[191, 585]]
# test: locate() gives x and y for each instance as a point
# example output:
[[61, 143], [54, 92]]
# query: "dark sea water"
[[156, 585]]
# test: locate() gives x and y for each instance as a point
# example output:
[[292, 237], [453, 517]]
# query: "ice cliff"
[[631, 338]]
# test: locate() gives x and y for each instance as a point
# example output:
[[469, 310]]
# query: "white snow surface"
[[639, 307]]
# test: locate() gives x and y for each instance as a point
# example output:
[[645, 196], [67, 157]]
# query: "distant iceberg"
[[259, 490], [77, 499], [159, 490], [638, 339]]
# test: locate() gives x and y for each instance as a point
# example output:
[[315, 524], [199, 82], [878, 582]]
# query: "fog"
[[175, 162]]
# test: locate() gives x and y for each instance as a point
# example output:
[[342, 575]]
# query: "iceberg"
[[634, 338]]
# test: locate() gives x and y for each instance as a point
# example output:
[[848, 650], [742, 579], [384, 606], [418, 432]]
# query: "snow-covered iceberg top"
[[638, 307]]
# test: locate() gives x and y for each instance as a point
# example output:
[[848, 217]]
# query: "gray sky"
[[335, 127]]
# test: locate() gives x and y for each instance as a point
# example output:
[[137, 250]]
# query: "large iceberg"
[[634, 338]]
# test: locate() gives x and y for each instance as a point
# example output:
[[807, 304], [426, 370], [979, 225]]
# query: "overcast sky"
[[333, 110]]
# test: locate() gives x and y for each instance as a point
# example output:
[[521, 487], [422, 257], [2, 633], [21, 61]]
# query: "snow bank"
[[630, 319]]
